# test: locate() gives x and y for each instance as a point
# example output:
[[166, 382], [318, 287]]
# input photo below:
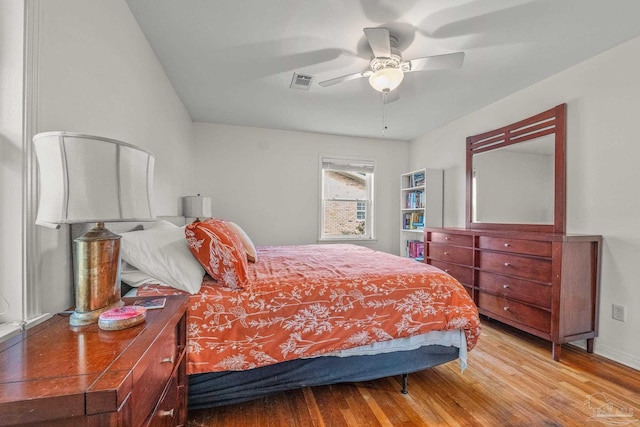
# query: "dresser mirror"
[[516, 175]]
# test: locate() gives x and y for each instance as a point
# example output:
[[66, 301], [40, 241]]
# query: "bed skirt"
[[225, 388]]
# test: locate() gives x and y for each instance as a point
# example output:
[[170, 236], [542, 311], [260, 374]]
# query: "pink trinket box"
[[122, 317]]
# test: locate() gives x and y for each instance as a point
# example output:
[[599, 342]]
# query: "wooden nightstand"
[[57, 374]]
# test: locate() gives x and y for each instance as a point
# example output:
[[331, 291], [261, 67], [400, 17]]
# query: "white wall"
[[268, 180], [98, 75], [11, 41], [603, 100]]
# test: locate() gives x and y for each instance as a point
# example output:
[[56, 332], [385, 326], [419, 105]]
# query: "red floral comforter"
[[312, 299]]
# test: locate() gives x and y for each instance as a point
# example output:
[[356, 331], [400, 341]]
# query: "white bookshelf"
[[421, 203]]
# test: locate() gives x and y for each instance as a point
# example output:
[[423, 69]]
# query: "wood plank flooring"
[[511, 380]]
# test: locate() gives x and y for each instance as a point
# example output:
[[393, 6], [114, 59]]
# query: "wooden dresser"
[[543, 283], [57, 374]]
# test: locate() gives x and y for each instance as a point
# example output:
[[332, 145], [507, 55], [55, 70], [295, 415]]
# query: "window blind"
[[361, 166]]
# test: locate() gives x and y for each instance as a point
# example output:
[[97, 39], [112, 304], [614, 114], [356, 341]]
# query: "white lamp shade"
[[86, 178], [386, 79], [197, 206]]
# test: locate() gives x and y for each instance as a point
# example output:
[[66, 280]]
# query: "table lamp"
[[197, 207], [90, 179]]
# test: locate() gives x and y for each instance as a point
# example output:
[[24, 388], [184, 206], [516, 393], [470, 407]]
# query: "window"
[[347, 209], [19, 288]]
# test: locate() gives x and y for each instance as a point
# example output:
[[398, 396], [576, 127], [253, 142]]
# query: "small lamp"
[[197, 207], [85, 179]]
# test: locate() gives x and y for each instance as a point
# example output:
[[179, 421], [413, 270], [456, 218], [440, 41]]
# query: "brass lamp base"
[[97, 274], [86, 318]]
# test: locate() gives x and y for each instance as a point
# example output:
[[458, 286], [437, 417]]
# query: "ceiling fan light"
[[386, 79]]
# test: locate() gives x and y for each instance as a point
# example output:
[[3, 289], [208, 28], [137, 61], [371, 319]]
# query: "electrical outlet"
[[619, 313]]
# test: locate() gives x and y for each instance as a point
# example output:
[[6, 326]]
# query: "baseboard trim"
[[612, 354], [616, 355]]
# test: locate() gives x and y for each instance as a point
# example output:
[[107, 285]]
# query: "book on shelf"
[[417, 179], [415, 199], [406, 221], [413, 221], [415, 249], [417, 220]]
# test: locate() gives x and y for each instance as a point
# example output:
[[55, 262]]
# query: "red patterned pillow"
[[219, 250]]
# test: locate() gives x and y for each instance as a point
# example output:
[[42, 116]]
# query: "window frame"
[[344, 164]]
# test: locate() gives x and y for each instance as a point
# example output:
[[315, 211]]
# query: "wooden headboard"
[[78, 230]]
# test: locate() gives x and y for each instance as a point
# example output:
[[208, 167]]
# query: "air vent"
[[301, 81]]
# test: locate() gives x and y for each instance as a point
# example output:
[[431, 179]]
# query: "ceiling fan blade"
[[378, 39], [437, 62], [346, 78], [389, 97]]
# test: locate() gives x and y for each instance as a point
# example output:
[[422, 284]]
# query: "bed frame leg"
[[404, 384]]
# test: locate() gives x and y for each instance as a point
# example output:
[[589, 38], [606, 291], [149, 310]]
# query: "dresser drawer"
[[512, 288], [521, 266], [456, 254], [450, 238], [169, 410], [158, 365], [464, 275], [518, 312], [527, 247]]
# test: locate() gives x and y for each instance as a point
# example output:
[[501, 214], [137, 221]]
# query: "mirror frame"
[[549, 122]]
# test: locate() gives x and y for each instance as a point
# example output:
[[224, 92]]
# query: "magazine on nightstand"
[[151, 304]]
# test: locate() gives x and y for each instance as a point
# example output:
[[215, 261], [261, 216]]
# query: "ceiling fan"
[[386, 69]]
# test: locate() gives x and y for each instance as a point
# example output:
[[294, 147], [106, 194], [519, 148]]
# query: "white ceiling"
[[232, 61]]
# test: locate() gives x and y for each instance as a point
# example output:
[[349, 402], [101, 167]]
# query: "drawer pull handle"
[[446, 270], [506, 264], [505, 308], [506, 245], [168, 413], [505, 286], [167, 360], [446, 253], [447, 238]]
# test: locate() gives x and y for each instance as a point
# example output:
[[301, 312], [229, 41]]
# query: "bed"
[[304, 315]]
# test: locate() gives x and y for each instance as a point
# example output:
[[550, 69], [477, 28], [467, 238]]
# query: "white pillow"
[[136, 278], [247, 244], [162, 253]]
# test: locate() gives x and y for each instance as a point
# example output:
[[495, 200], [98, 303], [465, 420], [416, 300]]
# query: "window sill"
[[10, 329]]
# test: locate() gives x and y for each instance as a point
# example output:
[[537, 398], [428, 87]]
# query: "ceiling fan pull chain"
[[384, 112]]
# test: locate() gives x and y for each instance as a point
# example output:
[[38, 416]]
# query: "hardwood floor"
[[511, 380]]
